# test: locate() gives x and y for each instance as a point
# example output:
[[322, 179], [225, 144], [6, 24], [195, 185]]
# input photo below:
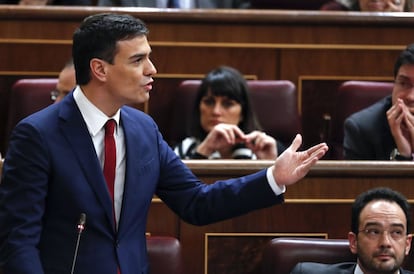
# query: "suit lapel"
[[132, 153], [75, 131], [139, 178]]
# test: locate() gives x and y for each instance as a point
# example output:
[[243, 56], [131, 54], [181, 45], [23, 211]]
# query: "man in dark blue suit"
[[380, 236], [385, 130], [53, 170]]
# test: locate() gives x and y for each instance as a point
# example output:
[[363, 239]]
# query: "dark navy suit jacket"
[[367, 135], [52, 174], [318, 268]]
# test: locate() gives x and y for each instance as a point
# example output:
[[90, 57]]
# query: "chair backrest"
[[353, 96], [333, 5], [28, 96], [165, 255], [274, 102], [280, 255]]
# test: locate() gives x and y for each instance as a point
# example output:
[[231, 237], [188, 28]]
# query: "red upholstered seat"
[[282, 254], [274, 101], [333, 5], [352, 97], [164, 254], [28, 96]]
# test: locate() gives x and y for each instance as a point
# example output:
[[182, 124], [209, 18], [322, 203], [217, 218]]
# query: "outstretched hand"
[[293, 165]]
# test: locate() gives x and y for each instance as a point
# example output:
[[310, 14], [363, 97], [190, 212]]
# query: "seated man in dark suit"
[[385, 130], [380, 236]]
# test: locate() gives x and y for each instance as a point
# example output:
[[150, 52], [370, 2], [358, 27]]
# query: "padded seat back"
[[28, 96], [164, 255], [280, 255], [274, 102], [353, 96]]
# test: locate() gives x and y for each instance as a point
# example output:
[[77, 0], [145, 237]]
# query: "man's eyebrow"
[[137, 56], [381, 225], [140, 55], [403, 77], [397, 225], [372, 224]]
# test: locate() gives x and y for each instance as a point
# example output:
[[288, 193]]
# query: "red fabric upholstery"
[[164, 254], [274, 101], [282, 254], [333, 5], [28, 96], [352, 97]]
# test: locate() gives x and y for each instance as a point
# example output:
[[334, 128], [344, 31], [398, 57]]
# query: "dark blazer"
[[52, 174], [367, 135], [204, 4], [318, 268]]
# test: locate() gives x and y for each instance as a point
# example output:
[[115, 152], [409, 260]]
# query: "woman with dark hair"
[[224, 124]]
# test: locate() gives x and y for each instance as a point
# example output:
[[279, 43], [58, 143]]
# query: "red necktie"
[[110, 161], [110, 156]]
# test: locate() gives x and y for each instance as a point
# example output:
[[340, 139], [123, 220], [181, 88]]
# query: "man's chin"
[[387, 266]]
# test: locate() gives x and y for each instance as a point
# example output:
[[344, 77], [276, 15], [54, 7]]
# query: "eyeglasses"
[[54, 94], [404, 84], [375, 233]]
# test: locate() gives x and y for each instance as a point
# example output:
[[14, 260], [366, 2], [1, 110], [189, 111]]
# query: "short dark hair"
[[375, 194], [406, 57], [97, 37], [229, 82]]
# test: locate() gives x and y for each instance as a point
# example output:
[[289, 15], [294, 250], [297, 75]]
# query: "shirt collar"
[[94, 118]]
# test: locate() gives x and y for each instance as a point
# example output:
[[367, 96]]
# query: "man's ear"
[[98, 69], [353, 241], [408, 244]]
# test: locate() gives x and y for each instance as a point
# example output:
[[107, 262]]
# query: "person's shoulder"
[[135, 112], [403, 271], [378, 109], [318, 268], [133, 115], [44, 115]]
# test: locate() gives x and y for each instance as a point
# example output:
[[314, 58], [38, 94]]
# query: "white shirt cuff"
[[272, 183]]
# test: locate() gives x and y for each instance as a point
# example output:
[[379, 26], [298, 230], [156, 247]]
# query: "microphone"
[[80, 227]]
